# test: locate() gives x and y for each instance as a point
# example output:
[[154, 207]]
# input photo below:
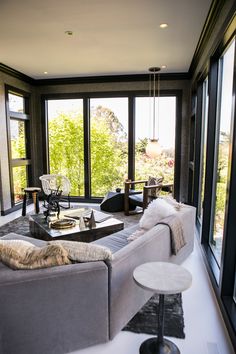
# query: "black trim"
[[131, 130], [210, 22], [109, 78], [89, 79], [44, 123], [131, 139], [87, 149], [17, 74], [197, 147], [178, 140], [11, 210], [210, 152]]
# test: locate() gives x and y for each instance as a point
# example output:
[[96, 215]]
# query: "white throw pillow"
[[84, 252], [155, 212]]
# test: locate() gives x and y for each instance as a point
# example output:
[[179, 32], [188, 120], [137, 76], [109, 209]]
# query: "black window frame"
[[223, 276], [25, 117], [131, 95]]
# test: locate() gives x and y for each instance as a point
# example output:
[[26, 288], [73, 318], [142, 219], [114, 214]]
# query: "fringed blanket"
[[176, 232]]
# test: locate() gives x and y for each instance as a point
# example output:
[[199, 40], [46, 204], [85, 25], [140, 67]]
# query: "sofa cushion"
[[20, 254], [117, 240], [84, 252]]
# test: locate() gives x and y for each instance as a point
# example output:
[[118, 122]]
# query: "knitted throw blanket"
[[176, 232]]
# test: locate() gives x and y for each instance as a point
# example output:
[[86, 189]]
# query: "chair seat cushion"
[[136, 199]]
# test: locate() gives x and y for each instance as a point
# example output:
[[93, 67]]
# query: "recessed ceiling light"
[[45, 72], [163, 66], [69, 33], [163, 25]]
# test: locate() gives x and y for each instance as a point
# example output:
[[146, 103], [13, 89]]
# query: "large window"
[[223, 141], [163, 166], [205, 100], [66, 141], [109, 144], [19, 139], [93, 142], [216, 173]]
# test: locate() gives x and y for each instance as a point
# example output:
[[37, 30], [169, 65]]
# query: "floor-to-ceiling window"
[[97, 140], [223, 143], [108, 143], [66, 141], [215, 173], [164, 165], [19, 141]]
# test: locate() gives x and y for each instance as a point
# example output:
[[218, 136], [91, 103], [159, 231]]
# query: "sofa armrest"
[[53, 310]]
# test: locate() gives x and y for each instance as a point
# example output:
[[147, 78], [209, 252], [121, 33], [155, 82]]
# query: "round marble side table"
[[164, 279]]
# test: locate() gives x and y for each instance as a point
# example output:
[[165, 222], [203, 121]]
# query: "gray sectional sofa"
[[62, 309]]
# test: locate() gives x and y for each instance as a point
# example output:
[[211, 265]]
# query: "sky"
[[144, 115]]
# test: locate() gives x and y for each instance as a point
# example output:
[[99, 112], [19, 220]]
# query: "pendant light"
[[153, 148]]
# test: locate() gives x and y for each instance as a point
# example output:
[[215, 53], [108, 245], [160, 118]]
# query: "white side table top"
[[162, 277]]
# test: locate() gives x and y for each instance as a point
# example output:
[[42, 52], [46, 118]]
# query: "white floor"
[[204, 327]]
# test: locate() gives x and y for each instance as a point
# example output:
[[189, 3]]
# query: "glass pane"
[[223, 152], [19, 182], [66, 141], [164, 164], [234, 293], [203, 148], [16, 103], [109, 144], [17, 131]]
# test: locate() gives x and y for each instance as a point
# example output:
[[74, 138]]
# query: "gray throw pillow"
[[84, 252]]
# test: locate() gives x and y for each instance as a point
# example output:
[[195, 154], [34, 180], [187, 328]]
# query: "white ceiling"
[[110, 37]]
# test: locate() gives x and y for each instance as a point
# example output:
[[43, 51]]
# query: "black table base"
[[152, 346], [159, 344]]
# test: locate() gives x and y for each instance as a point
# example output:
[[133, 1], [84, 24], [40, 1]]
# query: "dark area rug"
[[145, 321], [19, 226]]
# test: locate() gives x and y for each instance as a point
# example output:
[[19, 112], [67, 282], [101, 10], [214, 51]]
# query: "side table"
[[164, 279], [34, 191]]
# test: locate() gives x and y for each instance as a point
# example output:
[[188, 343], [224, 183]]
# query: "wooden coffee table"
[[39, 228]]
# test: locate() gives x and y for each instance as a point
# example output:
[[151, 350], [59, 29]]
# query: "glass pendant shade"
[[153, 148]]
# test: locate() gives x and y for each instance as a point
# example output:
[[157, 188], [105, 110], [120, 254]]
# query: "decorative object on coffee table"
[[164, 279], [63, 224]]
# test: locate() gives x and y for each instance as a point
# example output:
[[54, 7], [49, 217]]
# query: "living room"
[[88, 57]]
